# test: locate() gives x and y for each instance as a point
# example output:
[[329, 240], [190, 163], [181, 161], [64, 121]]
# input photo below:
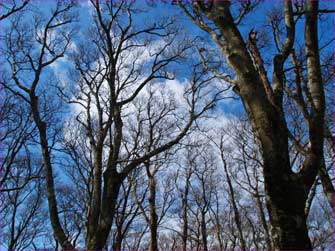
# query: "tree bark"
[[153, 216], [112, 184], [49, 178], [117, 244], [185, 218], [95, 204], [327, 184], [286, 202], [286, 192], [204, 231], [264, 223]]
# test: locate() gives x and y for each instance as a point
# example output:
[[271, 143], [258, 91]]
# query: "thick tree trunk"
[[112, 184], [285, 196], [95, 204], [286, 192], [286, 203]]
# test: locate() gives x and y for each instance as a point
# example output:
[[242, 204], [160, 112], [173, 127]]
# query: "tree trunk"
[[204, 231], [117, 244], [310, 198], [237, 217], [185, 220], [95, 204], [153, 216], [264, 223], [49, 178], [286, 204], [286, 192], [112, 184], [327, 184]]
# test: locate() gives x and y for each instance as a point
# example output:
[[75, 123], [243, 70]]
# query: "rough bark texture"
[[97, 240], [286, 212], [286, 192]]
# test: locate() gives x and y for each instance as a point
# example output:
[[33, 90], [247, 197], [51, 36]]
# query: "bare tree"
[[29, 54], [22, 208], [286, 190], [117, 122], [21, 176], [16, 135], [154, 111], [158, 201], [249, 177], [109, 80], [127, 211], [10, 7], [233, 202], [202, 189], [184, 176]]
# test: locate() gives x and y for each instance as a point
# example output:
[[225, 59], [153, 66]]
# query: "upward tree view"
[[167, 125]]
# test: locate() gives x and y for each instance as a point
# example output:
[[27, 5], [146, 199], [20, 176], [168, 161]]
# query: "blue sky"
[[257, 20]]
